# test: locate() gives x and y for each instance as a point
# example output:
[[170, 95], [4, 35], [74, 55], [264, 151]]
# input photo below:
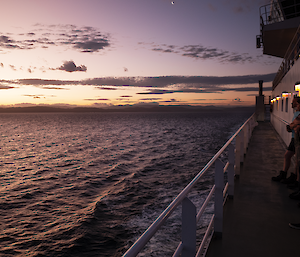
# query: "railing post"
[[237, 155], [231, 171], [246, 132], [242, 138], [249, 133], [188, 228], [219, 183]]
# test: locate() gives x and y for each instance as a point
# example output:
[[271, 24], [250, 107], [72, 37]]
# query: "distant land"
[[169, 108]]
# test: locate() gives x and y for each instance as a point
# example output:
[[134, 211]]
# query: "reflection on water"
[[89, 184]]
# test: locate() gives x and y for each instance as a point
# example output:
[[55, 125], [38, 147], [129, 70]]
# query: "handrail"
[[147, 235], [270, 13], [277, 12], [280, 119]]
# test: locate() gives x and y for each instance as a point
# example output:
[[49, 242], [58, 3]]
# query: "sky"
[[103, 53]]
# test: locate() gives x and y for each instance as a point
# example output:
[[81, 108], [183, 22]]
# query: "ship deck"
[[256, 220]]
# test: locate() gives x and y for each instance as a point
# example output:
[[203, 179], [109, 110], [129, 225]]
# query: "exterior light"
[[285, 94], [278, 98], [297, 86]]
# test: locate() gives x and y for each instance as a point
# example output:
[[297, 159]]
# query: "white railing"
[[187, 246], [277, 12]]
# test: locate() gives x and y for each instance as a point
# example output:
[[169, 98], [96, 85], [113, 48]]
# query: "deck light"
[[297, 86], [285, 94]]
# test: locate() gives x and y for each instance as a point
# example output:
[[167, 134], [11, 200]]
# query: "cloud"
[[70, 66], [97, 99], [157, 92], [159, 85], [150, 99], [13, 67], [172, 101], [35, 96], [46, 82], [210, 99], [56, 88], [5, 87], [83, 39], [169, 81], [8, 43], [201, 52], [106, 88], [237, 100]]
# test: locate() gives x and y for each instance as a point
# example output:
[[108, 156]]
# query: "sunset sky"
[[131, 52]]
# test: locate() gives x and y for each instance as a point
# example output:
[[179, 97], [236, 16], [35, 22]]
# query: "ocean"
[[89, 184]]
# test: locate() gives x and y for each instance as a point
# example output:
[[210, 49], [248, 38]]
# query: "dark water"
[[89, 184]]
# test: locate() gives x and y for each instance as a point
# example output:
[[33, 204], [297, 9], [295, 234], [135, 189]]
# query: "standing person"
[[289, 152], [295, 126]]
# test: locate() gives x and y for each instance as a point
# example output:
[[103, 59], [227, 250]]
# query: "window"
[[286, 104], [282, 104]]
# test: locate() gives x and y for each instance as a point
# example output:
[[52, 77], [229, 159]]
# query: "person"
[[282, 177], [295, 126]]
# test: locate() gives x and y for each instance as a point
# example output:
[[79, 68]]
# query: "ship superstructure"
[[280, 37]]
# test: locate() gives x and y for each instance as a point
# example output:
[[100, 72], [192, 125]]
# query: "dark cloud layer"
[[204, 53], [5, 87], [183, 81], [157, 85], [83, 39]]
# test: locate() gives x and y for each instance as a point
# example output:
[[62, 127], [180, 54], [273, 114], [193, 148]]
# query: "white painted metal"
[[178, 250], [182, 197], [201, 249], [242, 138], [208, 198], [188, 228], [219, 183], [237, 155], [231, 160]]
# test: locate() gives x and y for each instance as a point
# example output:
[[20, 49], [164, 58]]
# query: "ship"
[[254, 221], [280, 37]]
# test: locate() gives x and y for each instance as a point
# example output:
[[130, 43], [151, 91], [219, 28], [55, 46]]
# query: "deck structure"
[[256, 220]]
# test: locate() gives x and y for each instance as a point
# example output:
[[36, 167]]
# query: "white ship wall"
[[283, 113]]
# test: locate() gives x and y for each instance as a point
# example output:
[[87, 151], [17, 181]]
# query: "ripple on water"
[[82, 184]]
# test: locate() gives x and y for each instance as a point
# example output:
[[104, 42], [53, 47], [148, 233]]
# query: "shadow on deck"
[[256, 220]]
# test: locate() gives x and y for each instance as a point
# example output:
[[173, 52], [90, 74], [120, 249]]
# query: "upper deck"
[[280, 33], [279, 22]]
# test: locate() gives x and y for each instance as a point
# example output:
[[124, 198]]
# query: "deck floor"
[[256, 220]]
